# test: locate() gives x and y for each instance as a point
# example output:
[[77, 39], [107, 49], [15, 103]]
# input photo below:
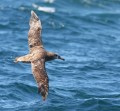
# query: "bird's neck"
[[49, 56]]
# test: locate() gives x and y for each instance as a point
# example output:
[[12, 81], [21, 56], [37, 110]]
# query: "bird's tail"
[[43, 90]]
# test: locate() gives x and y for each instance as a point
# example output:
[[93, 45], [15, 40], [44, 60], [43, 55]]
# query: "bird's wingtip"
[[32, 12], [15, 60], [34, 15], [42, 90]]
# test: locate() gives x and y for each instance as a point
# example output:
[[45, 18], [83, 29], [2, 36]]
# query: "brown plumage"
[[38, 55]]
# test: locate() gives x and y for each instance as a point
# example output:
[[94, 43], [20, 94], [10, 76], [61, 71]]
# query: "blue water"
[[85, 32]]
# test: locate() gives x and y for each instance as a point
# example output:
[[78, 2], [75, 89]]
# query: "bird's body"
[[38, 55]]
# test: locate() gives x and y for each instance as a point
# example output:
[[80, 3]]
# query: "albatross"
[[37, 55]]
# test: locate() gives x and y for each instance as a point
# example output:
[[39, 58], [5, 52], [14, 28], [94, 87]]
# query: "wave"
[[44, 9]]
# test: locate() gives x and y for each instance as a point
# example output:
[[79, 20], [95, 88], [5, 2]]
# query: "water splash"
[[44, 9], [49, 1]]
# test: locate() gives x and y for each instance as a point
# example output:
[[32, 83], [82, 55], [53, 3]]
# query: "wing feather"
[[34, 34], [40, 75]]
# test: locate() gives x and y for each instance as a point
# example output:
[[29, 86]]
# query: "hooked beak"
[[61, 58]]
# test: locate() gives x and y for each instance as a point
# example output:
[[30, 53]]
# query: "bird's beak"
[[61, 58]]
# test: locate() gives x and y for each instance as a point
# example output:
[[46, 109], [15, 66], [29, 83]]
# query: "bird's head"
[[51, 56], [56, 56]]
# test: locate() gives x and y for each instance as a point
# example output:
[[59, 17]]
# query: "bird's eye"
[[56, 55]]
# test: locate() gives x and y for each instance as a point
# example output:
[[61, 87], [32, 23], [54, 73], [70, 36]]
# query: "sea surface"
[[85, 32]]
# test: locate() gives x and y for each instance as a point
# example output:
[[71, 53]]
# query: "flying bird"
[[38, 55]]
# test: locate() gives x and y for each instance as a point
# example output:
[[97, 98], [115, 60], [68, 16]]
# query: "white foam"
[[49, 1], [44, 9]]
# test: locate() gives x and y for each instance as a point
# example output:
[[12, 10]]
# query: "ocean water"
[[85, 32]]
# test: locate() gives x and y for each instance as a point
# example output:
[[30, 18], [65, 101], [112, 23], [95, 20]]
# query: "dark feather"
[[34, 34], [40, 75]]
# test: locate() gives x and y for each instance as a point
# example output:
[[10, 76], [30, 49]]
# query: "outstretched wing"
[[40, 75], [34, 34]]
